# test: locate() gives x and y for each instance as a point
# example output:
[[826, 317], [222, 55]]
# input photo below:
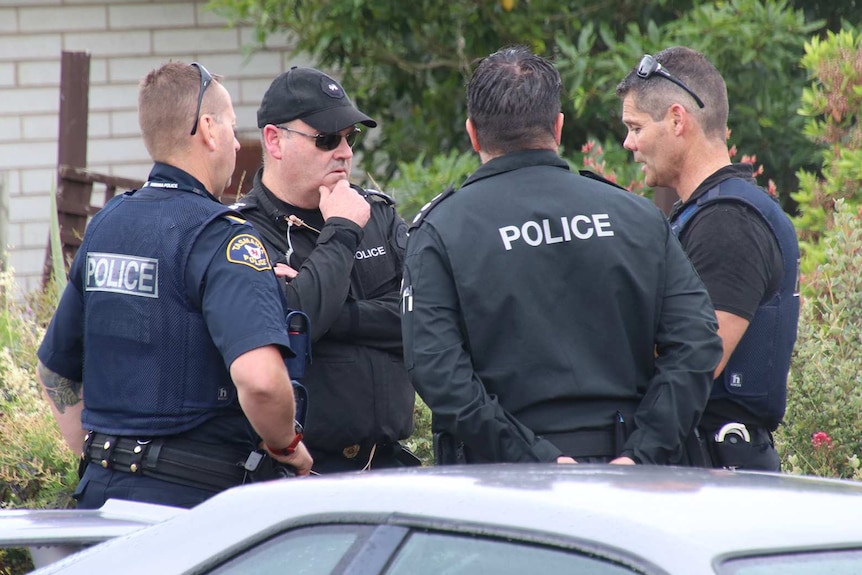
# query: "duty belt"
[[182, 461], [600, 442]]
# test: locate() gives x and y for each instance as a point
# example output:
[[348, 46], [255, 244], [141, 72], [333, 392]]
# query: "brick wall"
[[125, 39]]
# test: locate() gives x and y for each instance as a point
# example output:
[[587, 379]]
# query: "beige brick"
[[27, 263], [16, 3], [99, 124], [41, 73], [34, 234], [10, 128], [246, 119], [252, 90], [29, 208], [38, 181], [7, 74], [29, 47], [125, 124], [112, 150], [8, 21], [14, 236], [40, 127], [62, 19], [134, 68], [263, 65], [113, 97], [195, 41], [109, 43], [98, 71], [30, 100], [151, 16], [29, 154], [11, 182]]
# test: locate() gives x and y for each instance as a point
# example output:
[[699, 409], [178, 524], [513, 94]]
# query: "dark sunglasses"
[[206, 80], [649, 66], [326, 142]]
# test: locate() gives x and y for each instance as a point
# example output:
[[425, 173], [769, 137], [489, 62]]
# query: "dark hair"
[[513, 100], [654, 95]]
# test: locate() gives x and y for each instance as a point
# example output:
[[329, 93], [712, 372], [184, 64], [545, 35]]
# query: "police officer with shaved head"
[[550, 316], [150, 376]]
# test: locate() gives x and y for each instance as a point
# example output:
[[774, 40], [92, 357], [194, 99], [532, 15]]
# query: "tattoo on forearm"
[[63, 391]]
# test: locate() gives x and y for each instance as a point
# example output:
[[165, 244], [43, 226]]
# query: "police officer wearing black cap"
[[170, 398], [339, 251], [550, 316]]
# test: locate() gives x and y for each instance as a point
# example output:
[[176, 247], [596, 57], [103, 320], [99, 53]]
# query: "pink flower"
[[821, 439]]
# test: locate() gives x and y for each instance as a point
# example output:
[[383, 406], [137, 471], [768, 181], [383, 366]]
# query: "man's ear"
[[558, 128], [271, 138], [471, 131], [206, 131], [679, 118]]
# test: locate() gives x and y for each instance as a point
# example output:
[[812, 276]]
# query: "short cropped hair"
[[167, 101], [654, 95], [513, 100]]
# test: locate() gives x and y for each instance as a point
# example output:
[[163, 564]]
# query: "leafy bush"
[[821, 434], [832, 105]]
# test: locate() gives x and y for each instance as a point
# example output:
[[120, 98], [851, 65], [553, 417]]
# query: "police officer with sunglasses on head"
[[739, 240], [167, 397], [339, 251]]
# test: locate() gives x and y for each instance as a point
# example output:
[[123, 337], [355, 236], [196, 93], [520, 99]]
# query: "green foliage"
[[418, 181], [406, 63], [36, 468], [421, 442], [821, 433], [832, 105]]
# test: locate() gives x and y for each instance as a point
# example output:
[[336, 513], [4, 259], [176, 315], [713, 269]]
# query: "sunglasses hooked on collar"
[[326, 142], [206, 80], [649, 67]]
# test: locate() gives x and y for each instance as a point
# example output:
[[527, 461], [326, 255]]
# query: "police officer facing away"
[[740, 241], [550, 316], [339, 250], [145, 350]]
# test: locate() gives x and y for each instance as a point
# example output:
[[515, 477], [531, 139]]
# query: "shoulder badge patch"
[[247, 250]]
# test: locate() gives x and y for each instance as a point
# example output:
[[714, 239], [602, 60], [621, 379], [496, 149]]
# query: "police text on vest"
[[553, 232], [120, 273]]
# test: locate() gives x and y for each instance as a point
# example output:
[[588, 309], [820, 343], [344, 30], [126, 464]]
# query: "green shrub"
[[822, 431]]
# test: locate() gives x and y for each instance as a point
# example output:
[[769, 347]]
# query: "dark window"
[[433, 554], [306, 551]]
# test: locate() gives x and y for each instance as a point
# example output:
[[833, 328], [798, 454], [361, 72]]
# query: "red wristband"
[[290, 449]]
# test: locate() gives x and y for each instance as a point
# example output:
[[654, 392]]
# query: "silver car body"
[[653, 519]]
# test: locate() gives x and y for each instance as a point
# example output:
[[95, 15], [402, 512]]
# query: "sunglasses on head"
[[326, 142], [206, 80], [649, 67]]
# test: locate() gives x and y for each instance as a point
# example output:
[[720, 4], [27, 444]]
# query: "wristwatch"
[[290, 449]]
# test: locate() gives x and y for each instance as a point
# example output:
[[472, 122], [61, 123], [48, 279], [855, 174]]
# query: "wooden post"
[[72, 197]]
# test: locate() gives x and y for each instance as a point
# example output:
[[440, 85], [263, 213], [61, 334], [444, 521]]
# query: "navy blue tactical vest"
[[150, 367], [756, 375]]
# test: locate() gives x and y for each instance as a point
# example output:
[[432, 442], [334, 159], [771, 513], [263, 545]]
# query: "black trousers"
[[98, 485]]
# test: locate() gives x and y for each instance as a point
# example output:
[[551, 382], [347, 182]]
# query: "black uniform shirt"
[[539, 301]]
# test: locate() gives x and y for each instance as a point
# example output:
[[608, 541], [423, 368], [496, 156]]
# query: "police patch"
[[120, 273], [247, 250]]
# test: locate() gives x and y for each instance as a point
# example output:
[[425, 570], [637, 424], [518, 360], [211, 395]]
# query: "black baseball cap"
[[311, 96]]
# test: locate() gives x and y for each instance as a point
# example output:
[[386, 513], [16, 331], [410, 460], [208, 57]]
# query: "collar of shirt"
[[166, 173], [517, 160], [742, 171]]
